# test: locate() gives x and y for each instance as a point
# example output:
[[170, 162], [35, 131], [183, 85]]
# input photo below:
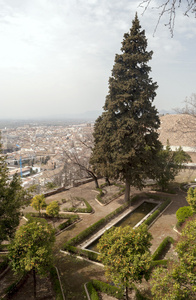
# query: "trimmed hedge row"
[[67, 223], [87, 209], [155, 214], [56, 284], [96, 226], [96, 285], [161, 248], [92, 291], [44, 215], [108, 289], [70, 219], [101, 193], [71, 244]]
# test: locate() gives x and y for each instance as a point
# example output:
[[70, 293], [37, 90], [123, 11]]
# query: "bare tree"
[[170, 7], [83, 161], [190, 106]]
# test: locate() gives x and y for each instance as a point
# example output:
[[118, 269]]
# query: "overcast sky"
[[56, 56]]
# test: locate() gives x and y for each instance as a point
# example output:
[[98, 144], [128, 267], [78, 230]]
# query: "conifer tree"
[[12, 198], [125, 136]]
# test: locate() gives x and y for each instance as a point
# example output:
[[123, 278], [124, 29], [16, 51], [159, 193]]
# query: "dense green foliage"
[[169, 163], [178, 281], [52, 209], [125, 254], [157, 212], [125, 135], [38, 202], [183, 213], [191, 198], [31, 247], [162, 247], [107, 289], [12, 198]]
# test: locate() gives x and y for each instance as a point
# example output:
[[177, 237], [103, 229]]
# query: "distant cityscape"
[[40, 151]]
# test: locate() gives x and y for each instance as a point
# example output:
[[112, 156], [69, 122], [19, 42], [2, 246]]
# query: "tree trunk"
[[96, 182], [107, 181], [127, 190], [34, 282], [126, 293]]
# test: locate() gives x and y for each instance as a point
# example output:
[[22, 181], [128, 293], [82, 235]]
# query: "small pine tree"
[[126, 139]]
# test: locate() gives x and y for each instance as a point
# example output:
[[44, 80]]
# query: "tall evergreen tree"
[[125, 136], [12, 198]]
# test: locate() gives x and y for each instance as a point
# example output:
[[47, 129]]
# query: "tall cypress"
[[126, 139]]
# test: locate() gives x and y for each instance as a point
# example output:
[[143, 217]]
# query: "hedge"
[[108, 289], [56, 284], [101, 193], [87, 209], [67, 223], [71, 244], [162, 247], [96, 226], [92, 291], [155, 214], [44, 215], [183, 213]]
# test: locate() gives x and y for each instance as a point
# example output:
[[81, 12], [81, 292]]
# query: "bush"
[[183, 213], [155, 214], [70, 221], [152, 217], [56, 284], [92, 292], [161, 262], [162, 248], [108, 289]]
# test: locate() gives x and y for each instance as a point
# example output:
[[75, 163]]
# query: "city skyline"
[[57, 57]]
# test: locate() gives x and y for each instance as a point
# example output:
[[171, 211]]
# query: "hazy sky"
[[56, 56]]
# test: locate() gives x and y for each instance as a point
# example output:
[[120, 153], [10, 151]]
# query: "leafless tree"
[[170, 7], [82, 163], [190, 106]]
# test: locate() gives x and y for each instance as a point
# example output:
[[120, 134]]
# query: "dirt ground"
[[74, 273]]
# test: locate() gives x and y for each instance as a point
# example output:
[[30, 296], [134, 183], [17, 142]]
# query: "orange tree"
[[178, 281], [38, 202], [125, 254], [31, 249]]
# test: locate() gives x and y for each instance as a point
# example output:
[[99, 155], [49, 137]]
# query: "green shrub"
[[56, 284], [70, 221], [108, 289], [162, 262], [92, 292], [152, 217], [164, 205], [155, 214], [183, 213], [162, 248]]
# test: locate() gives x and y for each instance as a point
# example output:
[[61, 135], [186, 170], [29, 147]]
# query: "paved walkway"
[[75, 273], [159, 230]]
